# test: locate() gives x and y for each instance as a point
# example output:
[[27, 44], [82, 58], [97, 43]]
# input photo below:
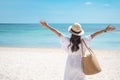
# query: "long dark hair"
[[74, 41]]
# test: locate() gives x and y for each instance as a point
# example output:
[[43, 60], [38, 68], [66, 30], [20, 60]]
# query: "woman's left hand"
[[110, 28]]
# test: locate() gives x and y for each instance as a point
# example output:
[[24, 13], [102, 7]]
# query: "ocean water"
[[33, 35]]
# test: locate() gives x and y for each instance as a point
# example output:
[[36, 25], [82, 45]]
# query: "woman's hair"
[[74, 41]]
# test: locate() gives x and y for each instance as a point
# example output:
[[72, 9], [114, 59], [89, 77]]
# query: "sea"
[[35, 36]]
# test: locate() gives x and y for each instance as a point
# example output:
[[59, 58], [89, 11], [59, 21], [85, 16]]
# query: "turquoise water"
[[33, 35]]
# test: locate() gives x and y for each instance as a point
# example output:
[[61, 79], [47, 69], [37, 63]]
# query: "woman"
[[73, 69]]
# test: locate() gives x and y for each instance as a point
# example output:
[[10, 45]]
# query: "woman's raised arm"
[[109, 28], [44, 24]]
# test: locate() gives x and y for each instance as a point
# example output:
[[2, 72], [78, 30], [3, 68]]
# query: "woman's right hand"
[[44, 23]]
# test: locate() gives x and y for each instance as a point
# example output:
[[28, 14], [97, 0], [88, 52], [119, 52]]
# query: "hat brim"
[[77, 34]]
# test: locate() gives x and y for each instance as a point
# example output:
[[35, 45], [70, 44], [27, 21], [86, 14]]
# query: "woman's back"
[[65, 41], [73, 67]]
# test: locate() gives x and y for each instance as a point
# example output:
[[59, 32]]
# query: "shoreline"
[[50, 49]]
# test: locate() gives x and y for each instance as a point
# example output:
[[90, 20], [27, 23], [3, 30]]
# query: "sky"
[[60, 11]]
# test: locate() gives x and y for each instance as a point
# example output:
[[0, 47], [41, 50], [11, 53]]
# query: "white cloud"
[[88, 3], [107, 5]]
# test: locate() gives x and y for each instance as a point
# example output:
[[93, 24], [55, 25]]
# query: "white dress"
[[73, 68]]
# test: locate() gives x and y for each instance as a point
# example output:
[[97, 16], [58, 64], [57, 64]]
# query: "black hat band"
[[75, 32]]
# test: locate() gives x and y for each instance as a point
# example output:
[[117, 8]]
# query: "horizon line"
[[57, 23]]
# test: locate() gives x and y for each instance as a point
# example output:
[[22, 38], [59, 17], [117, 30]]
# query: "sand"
[[49, 63]]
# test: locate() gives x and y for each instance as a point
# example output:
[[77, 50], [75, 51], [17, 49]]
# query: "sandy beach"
[[49, 63]]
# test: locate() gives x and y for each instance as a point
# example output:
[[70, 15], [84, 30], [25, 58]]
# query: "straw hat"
[[76, 29]]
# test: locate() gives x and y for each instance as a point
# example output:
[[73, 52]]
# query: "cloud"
[[106, 5], [88, 3]]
